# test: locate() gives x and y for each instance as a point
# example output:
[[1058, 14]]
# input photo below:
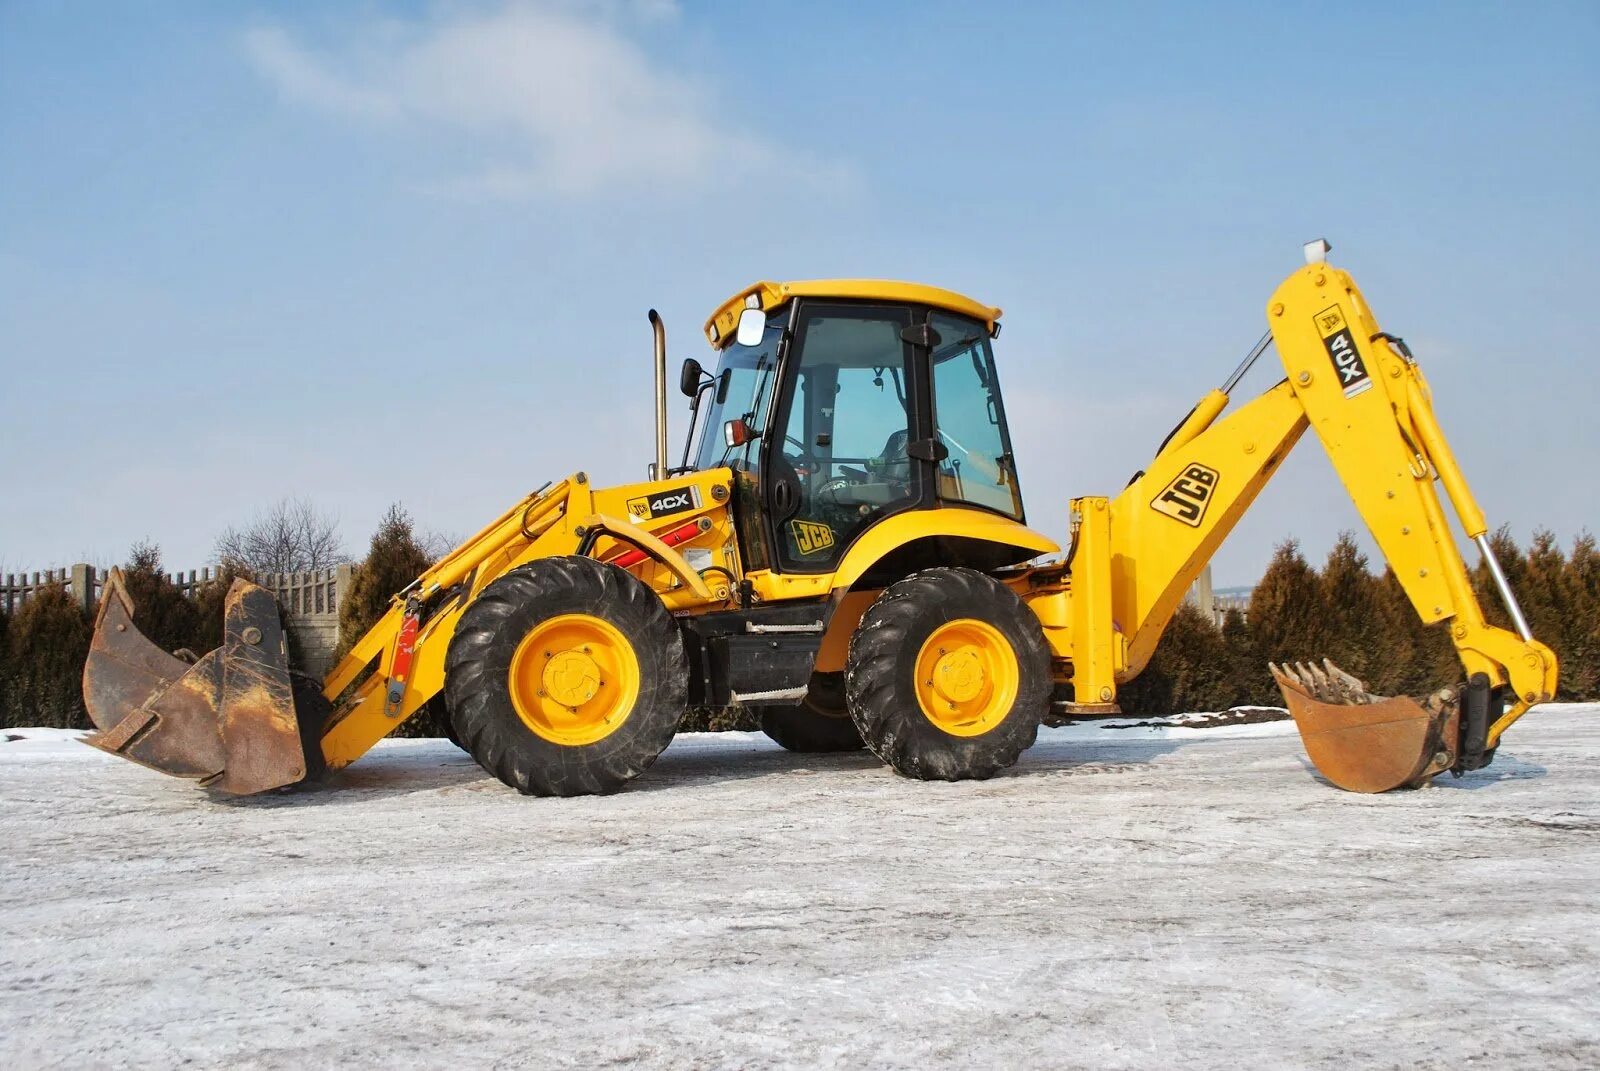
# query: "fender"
[[900, 545], [983, 540]]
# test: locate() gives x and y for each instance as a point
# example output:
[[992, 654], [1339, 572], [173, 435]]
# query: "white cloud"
[[301, 78], [556, 99]]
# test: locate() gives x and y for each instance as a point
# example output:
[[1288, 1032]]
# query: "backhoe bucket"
[[1364, 742], [228, 721]]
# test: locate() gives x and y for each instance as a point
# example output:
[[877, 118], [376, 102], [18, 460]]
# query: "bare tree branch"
[[289, 536]]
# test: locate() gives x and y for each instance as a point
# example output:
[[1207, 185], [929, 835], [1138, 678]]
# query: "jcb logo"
[[663, 503], [811, 537], [1187, 496], [1341, 347]]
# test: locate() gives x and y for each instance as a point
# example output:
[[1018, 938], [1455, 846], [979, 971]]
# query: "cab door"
[[840, 453]]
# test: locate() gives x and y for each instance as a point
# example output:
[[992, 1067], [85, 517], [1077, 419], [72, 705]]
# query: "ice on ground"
[[36, 735], [1158, 896]]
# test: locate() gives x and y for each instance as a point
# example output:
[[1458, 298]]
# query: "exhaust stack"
[[658, 471]]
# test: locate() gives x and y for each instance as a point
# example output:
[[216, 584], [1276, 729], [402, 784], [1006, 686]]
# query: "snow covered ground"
[[1145, 897]]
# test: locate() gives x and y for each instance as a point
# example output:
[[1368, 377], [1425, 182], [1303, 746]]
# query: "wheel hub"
[[571, 678], [958, 675], [574, 679], [966, 677]]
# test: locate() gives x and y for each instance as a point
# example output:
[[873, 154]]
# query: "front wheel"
[[566, 677], [948, 676]]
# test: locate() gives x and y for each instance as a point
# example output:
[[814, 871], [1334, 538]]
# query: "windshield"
[[744, 382]]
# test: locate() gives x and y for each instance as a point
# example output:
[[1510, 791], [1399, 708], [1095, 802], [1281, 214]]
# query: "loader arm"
[[1366, 400]]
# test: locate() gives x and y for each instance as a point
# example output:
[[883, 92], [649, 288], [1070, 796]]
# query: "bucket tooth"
[[1363, 742], [228, 720]]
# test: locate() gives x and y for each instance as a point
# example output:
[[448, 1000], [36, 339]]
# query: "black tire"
[[818, 724], [439, 708], [881, 671], [450, 733], [478, 664]]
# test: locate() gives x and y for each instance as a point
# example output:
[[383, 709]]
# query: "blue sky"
[[376, 252]]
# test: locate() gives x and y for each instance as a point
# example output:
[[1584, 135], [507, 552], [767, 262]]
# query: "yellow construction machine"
[[843, 547]]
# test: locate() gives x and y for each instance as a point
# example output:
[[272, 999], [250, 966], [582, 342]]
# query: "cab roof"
[[721, 326]]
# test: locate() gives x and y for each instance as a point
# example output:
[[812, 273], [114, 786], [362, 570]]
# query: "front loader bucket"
[[1367, 743], [228, 721]]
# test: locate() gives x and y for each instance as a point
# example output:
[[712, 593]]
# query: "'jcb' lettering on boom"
[[1187, 496]]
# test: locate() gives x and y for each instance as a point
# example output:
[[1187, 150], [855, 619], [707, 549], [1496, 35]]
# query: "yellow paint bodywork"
[[720, 327], [557, 521], [552, 522], [1133, 556], [1136, 555], [895, 531]]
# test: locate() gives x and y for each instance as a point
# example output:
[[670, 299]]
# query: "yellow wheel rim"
[[967, 677], [574, 679]]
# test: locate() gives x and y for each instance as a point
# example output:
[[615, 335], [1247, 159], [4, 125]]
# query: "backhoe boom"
[[1364, 396]]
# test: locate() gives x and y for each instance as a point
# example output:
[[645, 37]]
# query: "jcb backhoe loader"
[[843, 547]]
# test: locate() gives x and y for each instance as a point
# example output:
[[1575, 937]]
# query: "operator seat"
[[893, 463]]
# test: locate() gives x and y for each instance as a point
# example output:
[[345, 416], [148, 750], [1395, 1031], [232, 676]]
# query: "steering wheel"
[[828, 492], [802, 456]]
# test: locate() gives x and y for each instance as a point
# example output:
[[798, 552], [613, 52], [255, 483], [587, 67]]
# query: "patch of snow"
[[36, 736], [1159, 896]]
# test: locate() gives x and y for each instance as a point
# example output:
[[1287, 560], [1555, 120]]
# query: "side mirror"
[[689, 378], [752, 327], [736, 432]]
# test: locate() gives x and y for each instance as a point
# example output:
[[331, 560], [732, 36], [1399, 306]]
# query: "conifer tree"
[[1579, 642], [1581, 629], [1542, 594], [47, 643], [1190, 670], [1410, 658], [1247, 670], [160, 611], [1350, 617], [1286, 612]]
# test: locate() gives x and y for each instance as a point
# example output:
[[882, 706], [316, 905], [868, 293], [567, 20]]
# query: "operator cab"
[[841, 402]]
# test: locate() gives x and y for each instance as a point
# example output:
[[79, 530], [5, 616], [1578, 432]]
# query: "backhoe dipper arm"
[[1364, 396]]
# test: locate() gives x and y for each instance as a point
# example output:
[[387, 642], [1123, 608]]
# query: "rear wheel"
[[819, 723], [948, 676], [566, 677]]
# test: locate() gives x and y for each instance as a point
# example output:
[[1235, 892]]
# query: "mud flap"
[[228, 721], [1367, 743]]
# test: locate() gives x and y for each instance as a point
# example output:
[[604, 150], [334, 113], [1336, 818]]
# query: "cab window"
[[837, 458], [969, 420]]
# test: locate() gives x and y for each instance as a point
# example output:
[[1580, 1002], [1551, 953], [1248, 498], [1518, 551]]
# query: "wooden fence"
[[310, 599]]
